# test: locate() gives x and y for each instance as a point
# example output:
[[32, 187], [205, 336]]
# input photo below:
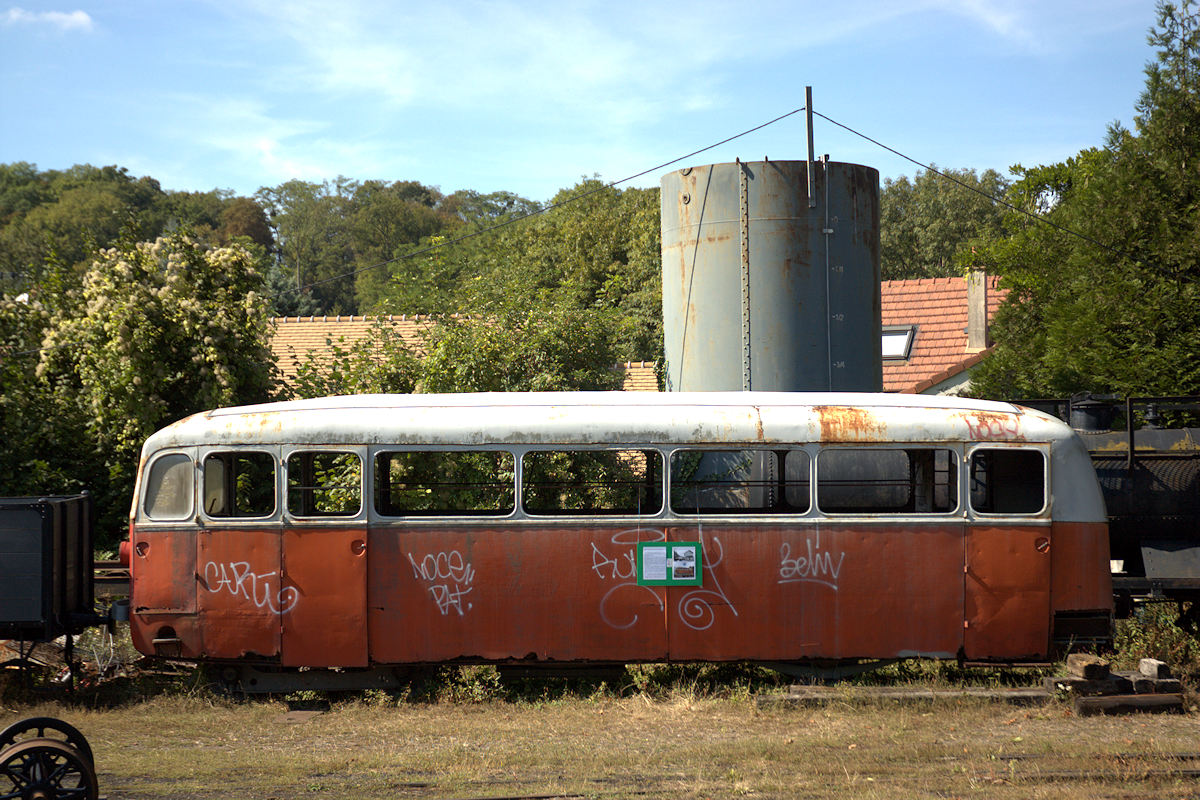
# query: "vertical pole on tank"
[[812, 196], [744, 229]]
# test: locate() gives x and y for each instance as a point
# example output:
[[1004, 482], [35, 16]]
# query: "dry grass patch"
[[683, 746]]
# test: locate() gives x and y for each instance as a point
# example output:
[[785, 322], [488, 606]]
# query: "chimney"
[[977, 303]]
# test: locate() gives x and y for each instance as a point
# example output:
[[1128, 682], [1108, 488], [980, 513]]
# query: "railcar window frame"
[[953, 489], [776, 485], [236, 451], [986, 447], [377, 484], [660, 485], [286, 485], [151, 490]]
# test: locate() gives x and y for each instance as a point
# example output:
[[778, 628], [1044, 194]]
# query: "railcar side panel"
[[323, 597], [1080, 578], [238, 591], [545, 592], [162, 563], [823, 590], [1007, 592]]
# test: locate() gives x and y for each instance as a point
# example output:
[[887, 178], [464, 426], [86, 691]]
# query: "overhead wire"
[[995, 199]]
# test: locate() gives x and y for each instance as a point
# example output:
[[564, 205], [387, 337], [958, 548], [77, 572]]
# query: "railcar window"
[[169, 488], [324, 484], [1008, 481], [739, 482], [592, 481], [425, 483], [239, 483], [887, 481]]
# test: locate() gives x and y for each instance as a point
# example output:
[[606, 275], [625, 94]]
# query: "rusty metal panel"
[[548, 593], [762, 291], [1080, 576], [161, 565], [1008, 591], [162, 591], [239, 591], [845, 590], [322, 602]]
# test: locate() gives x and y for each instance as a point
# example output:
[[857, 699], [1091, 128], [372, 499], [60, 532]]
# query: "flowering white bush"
[[163, 329]]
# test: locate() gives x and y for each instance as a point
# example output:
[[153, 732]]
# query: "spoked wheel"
[[47, 728], [46, 769]]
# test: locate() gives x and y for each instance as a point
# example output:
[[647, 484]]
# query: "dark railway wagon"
[[364, 533], [1149, 475]]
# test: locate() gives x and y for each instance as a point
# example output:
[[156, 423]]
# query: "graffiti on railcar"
[[449, 578], [695, 608], [810, 563], [263, 589]]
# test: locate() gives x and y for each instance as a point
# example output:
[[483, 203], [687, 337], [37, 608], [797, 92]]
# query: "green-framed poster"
[[669, 564]]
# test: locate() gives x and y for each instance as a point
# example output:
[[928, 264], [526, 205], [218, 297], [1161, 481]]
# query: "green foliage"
[[534, 348], [926, 222], [158, 331], [1113, 306], [600, 252], [44, 450], [379, 362], [1153, 632], [333, 237], [64, 216]]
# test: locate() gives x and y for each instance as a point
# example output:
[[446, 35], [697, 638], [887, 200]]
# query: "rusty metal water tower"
[[771, 276]]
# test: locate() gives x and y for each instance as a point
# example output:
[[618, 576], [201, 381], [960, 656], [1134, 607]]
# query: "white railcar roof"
[[548, 418]]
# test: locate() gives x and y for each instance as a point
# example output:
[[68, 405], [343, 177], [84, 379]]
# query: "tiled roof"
[[296, 337], [938, 307], [640, 376]]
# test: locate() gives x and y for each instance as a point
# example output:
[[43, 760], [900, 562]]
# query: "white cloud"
[[64, 20]]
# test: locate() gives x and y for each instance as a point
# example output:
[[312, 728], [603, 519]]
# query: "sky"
[[532, 96]]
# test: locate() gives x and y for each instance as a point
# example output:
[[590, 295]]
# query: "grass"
[[610, 747], [656, 731]]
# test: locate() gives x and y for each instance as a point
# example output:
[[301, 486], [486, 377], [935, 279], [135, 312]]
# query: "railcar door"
[[1007, 585], [322, 601], [238, 583]]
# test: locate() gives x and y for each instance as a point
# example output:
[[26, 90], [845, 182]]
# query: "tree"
[[600, 252], [311, 223], [158, 331], [923, 223], [1108, 300], [523, 347]]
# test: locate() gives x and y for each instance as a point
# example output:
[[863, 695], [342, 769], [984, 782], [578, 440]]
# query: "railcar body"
[[564, 528]]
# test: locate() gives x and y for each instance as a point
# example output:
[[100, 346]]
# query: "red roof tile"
[[938, 307]]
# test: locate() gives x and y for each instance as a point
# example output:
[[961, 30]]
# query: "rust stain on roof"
[[849, 424]]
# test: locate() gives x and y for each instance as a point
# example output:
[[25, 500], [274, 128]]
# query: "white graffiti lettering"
[[695, 608], [811, 565], [449, 578], [260, 588], [622, 566]]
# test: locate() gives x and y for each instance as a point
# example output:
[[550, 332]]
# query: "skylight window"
[[898, 341]]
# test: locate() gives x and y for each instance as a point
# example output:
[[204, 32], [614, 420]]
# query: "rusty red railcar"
[[339, 538]]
